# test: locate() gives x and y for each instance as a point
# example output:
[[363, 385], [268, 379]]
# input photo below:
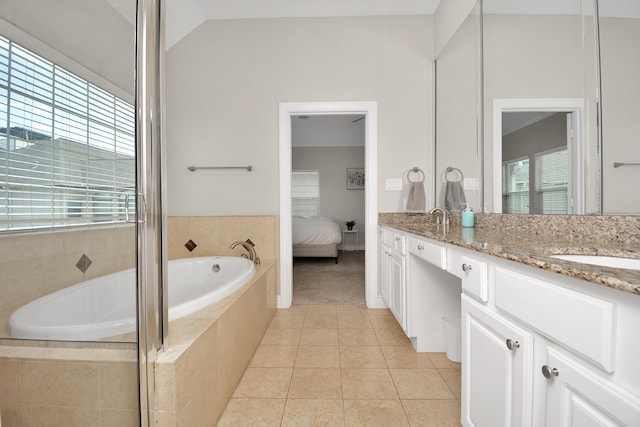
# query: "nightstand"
[[350, 232]]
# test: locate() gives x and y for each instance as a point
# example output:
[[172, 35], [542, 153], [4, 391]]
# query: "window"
[[305, 192], [552, 181], [515, 186], [67, 147]]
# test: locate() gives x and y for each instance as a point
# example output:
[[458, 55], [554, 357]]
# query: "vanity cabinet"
[[544, 349], [496, 359], [393, 271]]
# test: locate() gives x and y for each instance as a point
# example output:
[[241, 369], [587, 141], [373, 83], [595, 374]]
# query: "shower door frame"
[[150, 202]]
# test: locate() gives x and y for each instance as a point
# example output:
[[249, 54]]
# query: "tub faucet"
[[445, 220], [250, 247]]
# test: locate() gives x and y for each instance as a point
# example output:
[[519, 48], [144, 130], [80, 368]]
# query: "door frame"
[[575, 143], [370, 110]]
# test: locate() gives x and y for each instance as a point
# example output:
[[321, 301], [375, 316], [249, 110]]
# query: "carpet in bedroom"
[[322, 281]]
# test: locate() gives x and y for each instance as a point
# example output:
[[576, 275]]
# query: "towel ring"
[[455, 171], [418, 171]]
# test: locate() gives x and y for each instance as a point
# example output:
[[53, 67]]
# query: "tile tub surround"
[[68, 387], [531, 239], [35, 264], [214, 234], [209, 351]]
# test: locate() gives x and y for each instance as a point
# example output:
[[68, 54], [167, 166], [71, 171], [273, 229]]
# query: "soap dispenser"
[[468, 217]]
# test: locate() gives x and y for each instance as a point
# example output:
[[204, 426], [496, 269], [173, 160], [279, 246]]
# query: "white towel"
[[416, 199], [454, 199]]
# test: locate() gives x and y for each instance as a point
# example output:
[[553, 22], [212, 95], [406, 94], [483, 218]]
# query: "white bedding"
[[315, 230]]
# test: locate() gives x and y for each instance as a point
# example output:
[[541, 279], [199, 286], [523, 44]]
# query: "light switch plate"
[[393, 184], [471, 183]]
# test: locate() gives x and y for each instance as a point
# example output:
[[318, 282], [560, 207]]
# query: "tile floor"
[[343, 365]]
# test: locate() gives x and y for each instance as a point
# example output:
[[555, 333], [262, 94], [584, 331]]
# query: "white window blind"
[[552, 181], [515, 186], [67, 147], [305, 192]]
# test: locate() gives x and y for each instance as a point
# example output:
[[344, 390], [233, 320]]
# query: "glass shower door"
[[80, 216]]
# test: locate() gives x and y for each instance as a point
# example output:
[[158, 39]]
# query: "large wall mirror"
[[559, 123], [458, 153], [546, 150]]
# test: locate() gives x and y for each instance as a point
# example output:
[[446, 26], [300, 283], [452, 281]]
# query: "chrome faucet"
[[445, 220], [250, 247]]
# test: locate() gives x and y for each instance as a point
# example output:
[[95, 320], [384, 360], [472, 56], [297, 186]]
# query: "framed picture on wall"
[[355, 179]]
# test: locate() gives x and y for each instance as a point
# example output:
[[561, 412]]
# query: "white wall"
[[447, 19], [335, 200], [226, 78], [93, 34]]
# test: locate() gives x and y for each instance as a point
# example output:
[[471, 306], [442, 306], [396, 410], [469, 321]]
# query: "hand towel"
[[454, 199], [416, 199]]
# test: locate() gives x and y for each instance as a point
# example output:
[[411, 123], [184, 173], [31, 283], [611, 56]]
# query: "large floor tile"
[[274, 356], [319, 337], [368, 384], [420, 384], [330, 309], [281, 337], [264, 383], [253, 412], [432, 413], [357, 337], [313, 413], [354, 320], [318, 356], [287, 321], [320, 321], [371, 413], [392, 337], [315, 383], [453, 378], [358, 356], [404, 356], [440, 361]]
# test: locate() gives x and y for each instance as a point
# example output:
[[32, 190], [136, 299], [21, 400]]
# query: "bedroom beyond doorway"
[[321, 281]]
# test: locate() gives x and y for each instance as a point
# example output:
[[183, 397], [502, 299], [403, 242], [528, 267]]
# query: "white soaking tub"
[[106, 306]]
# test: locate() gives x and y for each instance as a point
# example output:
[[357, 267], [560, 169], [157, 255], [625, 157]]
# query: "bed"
[[316, 237]]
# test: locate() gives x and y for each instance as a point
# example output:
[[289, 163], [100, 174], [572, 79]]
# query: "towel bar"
[[618, 164], [195, 168]]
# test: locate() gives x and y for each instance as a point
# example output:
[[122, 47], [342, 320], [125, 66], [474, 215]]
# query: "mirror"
[[541, 60], [619, 26], [540, 65], [458, 152]]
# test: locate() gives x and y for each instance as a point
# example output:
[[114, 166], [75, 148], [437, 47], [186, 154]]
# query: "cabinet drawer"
[[578, 321], [474, 277], [432, 253], [394, 240]]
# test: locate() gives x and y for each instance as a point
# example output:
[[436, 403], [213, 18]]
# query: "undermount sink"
[[602, 260]]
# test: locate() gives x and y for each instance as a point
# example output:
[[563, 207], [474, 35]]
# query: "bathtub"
[[106, 306]]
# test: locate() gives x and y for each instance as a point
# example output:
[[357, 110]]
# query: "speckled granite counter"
[[531, 239]]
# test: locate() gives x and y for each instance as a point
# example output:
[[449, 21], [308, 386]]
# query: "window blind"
[[305, 192], [552, 181], [67, 147], [515, 186]]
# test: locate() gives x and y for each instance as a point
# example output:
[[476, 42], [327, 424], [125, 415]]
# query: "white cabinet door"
[[496, 369], [398, 289], [385, 272], [573, 388]]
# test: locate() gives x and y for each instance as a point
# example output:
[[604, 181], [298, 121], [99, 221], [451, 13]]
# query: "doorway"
[[538, 156], [286, 113]]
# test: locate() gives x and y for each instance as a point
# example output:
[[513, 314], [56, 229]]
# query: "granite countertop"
[[531, 246]]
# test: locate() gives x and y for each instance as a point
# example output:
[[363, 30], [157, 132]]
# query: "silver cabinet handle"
[[420, 247], [512, 345], [466, 267], [548, 372]]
